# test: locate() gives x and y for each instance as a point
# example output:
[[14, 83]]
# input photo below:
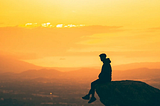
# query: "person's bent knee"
[[92, 84]]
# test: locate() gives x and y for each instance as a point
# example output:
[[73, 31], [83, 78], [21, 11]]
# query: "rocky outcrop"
[[128, 93]]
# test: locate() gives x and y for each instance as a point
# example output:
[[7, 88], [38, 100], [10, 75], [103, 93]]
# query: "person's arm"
[[105, 72]]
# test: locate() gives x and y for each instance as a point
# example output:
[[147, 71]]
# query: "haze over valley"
[[49, 49]]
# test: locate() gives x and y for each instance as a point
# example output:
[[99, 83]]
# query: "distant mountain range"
[[150, 65], [85, 74], [140, 73], [8, 64], [12, 68]]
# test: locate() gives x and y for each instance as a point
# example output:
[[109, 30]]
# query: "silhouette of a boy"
[[104, 77]]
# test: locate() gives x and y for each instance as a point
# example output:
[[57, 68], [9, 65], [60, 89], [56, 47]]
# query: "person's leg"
[[92, 90]]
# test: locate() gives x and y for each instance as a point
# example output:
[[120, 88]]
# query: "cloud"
[[153, 29], [95, 29], [125, 41]]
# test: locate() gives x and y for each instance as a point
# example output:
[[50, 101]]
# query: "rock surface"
[[128, 93]]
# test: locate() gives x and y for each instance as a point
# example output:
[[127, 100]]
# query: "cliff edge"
[[128, 93]]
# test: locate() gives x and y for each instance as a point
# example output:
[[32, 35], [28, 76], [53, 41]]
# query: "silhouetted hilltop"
[[128, 93]]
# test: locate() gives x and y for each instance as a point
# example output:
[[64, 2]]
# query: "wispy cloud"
[[153, 29]]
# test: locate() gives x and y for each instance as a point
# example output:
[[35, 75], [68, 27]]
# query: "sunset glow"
[[79, 52], [67, 33]]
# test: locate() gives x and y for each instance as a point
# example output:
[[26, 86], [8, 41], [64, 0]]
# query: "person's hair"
[[103, 55]]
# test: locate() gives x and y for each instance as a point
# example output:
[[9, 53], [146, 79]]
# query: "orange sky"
[[127, 30]]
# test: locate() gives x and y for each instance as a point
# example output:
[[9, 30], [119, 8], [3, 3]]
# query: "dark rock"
[[128, 93]]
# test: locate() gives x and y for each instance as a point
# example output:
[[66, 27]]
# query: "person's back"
[[106, 71]]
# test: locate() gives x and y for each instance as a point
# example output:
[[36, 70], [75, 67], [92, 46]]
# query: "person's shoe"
[[87, 97], [92, 99]]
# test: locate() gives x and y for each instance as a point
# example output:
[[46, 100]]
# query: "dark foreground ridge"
[[128, 93]]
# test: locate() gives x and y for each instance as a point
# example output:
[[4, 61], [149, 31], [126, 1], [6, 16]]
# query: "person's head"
[[103, 56]]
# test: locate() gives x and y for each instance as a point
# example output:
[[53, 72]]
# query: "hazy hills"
[[8, 64], [87, 74], [141, 71], [150, 65]]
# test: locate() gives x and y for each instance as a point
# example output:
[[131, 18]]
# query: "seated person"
[[104, 77]]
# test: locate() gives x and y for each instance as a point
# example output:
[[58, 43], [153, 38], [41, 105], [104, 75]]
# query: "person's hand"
[[99, 75]]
